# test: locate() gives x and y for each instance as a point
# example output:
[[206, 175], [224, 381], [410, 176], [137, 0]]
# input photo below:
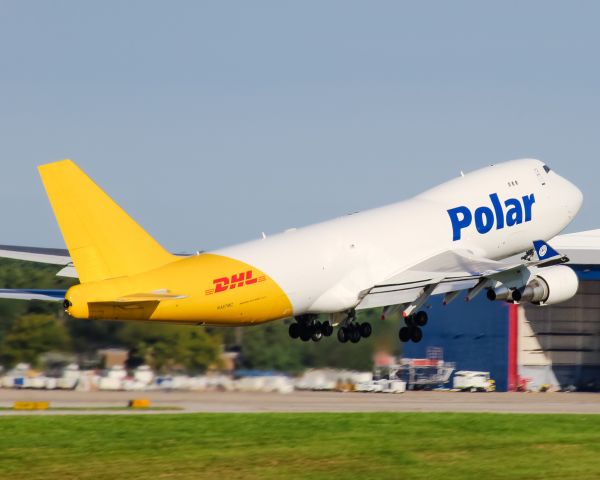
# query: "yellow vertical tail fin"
[[103, 241]]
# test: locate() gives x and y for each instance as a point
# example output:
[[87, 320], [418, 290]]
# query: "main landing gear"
[[353, 331], [307, 327], [412, 330]]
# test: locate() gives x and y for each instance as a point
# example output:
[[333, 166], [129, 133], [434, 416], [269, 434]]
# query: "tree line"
[[30, 329]]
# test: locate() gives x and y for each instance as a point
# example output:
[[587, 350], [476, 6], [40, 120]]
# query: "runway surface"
[[230, 402]]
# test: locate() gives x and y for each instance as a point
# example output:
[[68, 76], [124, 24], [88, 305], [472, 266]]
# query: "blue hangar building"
[[522, 346]]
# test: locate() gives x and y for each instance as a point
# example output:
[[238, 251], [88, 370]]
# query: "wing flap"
[[389, 295]]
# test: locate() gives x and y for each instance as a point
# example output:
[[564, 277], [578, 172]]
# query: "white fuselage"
[[325, 267]]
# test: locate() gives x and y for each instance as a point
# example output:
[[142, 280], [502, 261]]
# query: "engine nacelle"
[[548, 286], [551, 285]]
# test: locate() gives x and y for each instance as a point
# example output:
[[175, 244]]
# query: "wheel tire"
[[316, 336], [421, 318], [317, 327], [404, 334], [305, 333], [365, 330], [355, 334], [342, 335], [327, 329], [294, 330], [416, 335], [409, 321]]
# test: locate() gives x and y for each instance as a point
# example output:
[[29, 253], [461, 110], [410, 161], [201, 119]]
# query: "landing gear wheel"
[[409, 321], [355, 334], [305, 334], [342, 335], [294, 330], [404, 334], [416, 335], [365, 330], [316, 336], [326, 329], [421, 318]]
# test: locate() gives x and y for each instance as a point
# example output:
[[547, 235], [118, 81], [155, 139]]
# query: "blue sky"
[[212, 122]]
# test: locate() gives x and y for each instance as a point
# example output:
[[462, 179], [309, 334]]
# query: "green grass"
[[324, 446]]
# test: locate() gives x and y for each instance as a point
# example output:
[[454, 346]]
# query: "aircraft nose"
[[573, 198]]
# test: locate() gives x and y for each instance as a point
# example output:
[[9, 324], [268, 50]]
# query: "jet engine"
[[548, 286]]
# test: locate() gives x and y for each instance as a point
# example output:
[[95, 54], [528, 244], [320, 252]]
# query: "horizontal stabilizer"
[[157, 296], [59, 296], [53, 256], [30, 294]]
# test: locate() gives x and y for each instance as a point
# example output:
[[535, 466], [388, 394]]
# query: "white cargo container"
[[38, 382], [395, 386], [8, 381], [70, 377], [279, 384], [143, 374], [118, 372], [110, 383], [328, 379], [382, 386], [51, 383]]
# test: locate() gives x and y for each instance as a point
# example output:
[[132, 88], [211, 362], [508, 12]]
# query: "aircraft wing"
[[452, 271], [582, 248]]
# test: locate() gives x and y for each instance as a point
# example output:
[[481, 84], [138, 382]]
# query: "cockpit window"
[[547, 168]]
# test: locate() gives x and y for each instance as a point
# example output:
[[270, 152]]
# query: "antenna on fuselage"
[[462, 174]]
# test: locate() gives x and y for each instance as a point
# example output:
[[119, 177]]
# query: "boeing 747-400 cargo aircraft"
[[483, 231]]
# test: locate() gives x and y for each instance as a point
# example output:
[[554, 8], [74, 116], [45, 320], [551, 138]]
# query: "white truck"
[[469, 381]]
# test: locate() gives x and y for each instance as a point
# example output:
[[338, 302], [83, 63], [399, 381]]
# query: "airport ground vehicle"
[[469, 381]]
